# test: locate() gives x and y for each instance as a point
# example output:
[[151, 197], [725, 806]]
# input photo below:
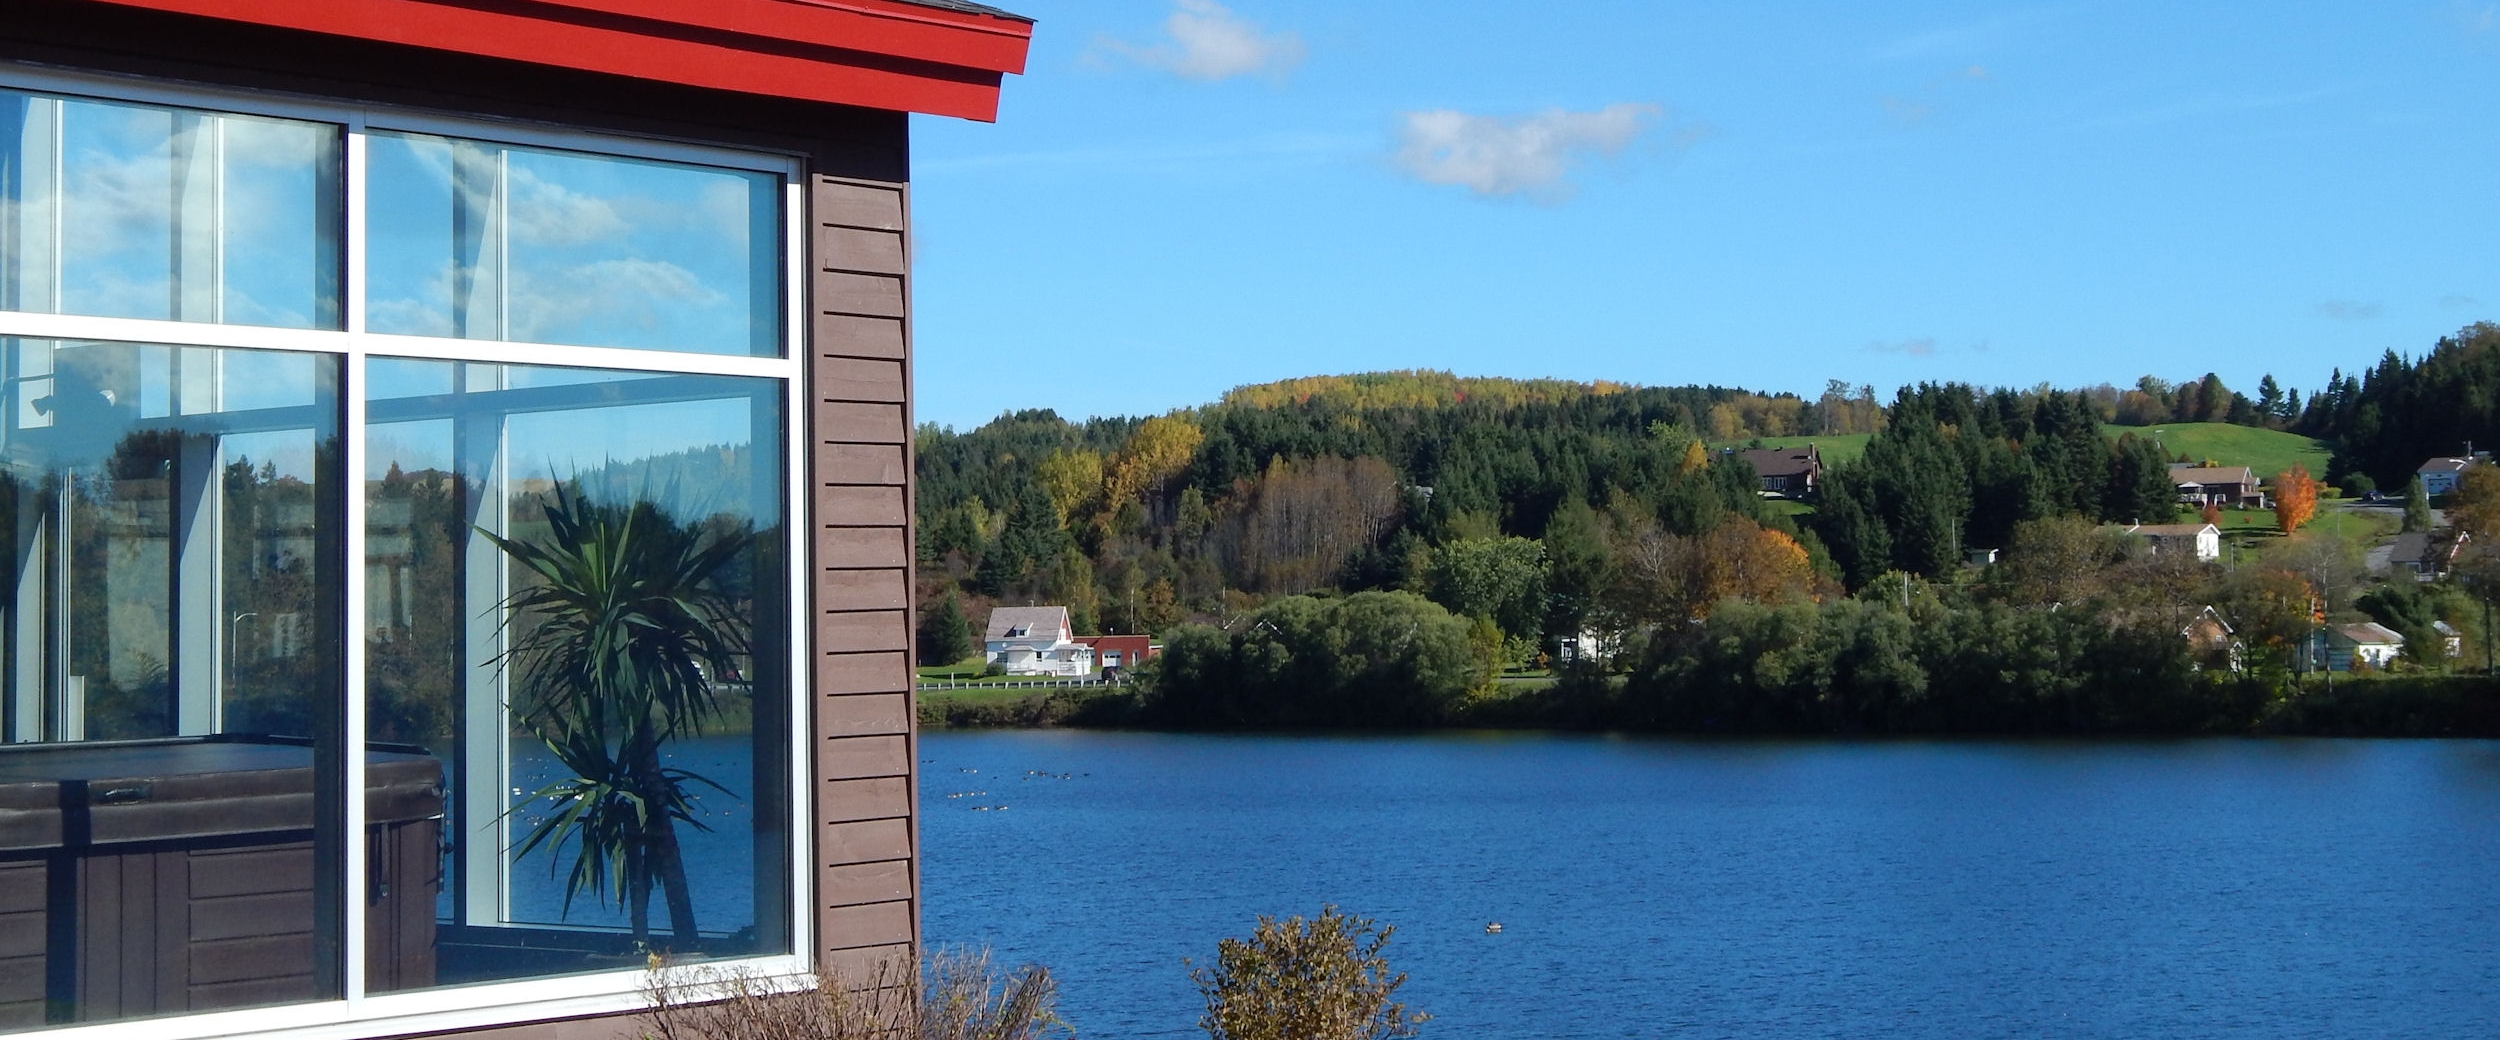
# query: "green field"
[[2266, 451], [1835, 449]]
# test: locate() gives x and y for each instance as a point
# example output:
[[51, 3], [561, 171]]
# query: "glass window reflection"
[[485, 503], [136, 211], [478, 240], [170, 709]]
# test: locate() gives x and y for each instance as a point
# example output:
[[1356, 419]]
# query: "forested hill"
[[1527, 502]]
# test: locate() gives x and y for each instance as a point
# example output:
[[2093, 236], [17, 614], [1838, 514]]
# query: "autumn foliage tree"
[[2295, 498]]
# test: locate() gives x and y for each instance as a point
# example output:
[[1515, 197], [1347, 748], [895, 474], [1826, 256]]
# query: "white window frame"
[[456, 1007]]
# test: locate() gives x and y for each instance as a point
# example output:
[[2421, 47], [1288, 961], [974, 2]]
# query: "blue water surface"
[[1648, 887]]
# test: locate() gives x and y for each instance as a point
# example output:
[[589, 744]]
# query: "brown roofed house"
[[2217, 485], [1791, 472]]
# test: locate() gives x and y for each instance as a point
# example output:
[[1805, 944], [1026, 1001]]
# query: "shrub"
[[1322, 979], [955, 996]]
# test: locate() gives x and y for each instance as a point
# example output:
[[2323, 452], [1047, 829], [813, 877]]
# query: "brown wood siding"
[[859, 379]]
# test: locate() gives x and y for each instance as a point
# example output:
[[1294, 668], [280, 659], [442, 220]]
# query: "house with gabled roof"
[[1790, 472], [2440, 475], [2367, 644], [2217, 485], [1036, 641], [2204, 540]]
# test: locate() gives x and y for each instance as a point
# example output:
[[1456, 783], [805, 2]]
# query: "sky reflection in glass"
[[486, 241], [137, 211]]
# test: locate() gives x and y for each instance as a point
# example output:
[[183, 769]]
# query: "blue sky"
[[1181, 197]]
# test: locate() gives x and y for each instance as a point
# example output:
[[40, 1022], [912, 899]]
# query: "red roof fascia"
[[870, 53]]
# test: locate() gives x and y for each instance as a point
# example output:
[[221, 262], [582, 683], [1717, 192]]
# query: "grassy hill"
[[1835, 448], [2267, 451]]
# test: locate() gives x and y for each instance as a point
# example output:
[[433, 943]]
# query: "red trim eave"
[[849, 52]]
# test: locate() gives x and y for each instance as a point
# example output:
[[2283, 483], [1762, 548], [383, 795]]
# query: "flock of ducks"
[[1029, 774]]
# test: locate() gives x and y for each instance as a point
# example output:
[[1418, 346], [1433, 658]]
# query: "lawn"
[[2268, 452], [1834, 448]]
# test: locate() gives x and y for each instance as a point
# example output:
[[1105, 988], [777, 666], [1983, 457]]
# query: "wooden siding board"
[[867, 841], [867, 715], [862, 590], [872, 924], [859, 250], [861, 758], [852, 884], [877, 798], [859, 335], [839, 674], [860, 422], [843, 548], [843, 506], [859, 379], [858, 205], [860, 464], [859, 630], [867, 295]]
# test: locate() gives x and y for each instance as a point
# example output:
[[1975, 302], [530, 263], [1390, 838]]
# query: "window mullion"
[[352, 436]]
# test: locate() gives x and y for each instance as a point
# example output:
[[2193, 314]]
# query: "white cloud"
[[1532, 155], [604, 301], [1205, 40], [2349, 310]]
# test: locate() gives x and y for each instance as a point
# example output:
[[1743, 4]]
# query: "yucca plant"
[[611, 636]]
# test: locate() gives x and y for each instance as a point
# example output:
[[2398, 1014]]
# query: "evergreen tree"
[[945, 634]]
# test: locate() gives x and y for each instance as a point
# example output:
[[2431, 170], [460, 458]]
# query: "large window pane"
[[170, 692], [491, 493], [136, 211], [487, 241]]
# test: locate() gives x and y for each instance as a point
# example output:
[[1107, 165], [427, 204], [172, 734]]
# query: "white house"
[[2205, 540], [1036, 641], [2368, 643]]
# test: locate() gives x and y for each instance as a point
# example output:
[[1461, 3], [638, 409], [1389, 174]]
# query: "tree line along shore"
[[1419, 549]]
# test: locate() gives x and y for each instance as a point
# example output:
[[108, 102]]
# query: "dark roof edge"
[[968, 7]]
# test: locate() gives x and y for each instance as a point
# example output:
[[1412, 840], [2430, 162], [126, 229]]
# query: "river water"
[[1773, 889]]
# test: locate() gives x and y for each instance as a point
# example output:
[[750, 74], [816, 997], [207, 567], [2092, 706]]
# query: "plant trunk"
[[638, 893], [671, 869]]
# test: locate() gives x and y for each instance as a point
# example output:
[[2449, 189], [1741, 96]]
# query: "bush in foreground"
[[955, 996], [1322, 979]]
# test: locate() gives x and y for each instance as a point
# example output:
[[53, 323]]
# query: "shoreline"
[[2402, 706]]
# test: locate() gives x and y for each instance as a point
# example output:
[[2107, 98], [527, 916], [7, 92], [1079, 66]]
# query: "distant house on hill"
[[2439, 476], [2211, 643], [1786, 471], [2424, 554], [2217, 485], [2205, 540], [1035, 641], [2368, 643]]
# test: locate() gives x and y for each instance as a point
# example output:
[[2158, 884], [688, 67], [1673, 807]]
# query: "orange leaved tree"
[[2295, 498]]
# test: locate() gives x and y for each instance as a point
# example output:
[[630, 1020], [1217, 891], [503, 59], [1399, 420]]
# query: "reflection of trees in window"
[[274, 620], [416, 523], [121, 628]]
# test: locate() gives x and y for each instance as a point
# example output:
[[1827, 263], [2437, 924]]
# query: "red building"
[[1121, 652], [330, 330]]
